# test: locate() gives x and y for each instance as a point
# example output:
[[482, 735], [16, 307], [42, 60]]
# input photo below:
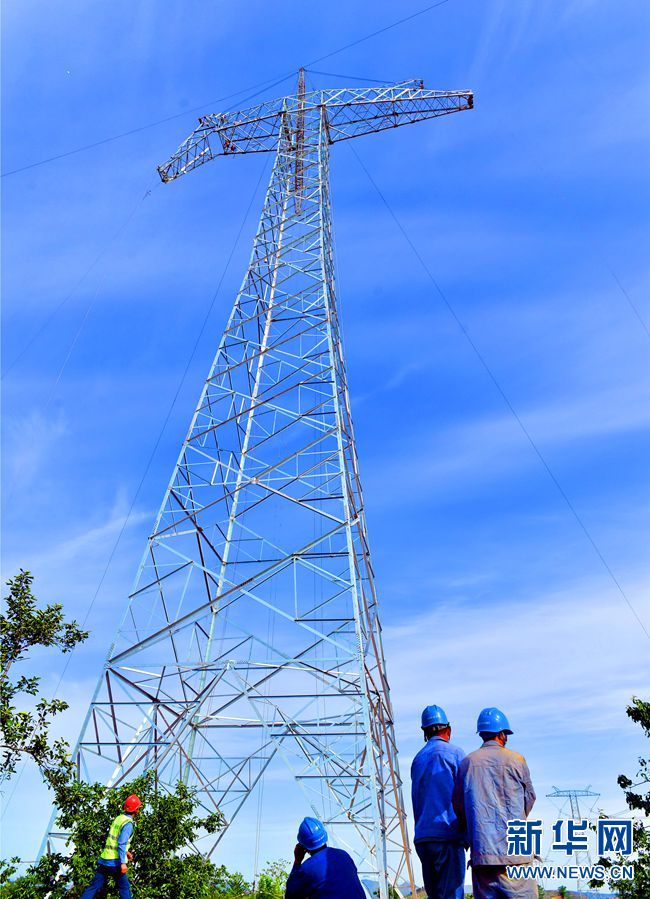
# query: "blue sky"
[[531, 213]]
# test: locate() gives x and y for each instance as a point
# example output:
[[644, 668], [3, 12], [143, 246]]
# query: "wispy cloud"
[[28, 441], [489, 447], [470, 651], [562, 664], [102, 553], [503, 27], [89, 541]]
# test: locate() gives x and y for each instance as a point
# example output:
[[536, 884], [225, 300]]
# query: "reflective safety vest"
[[111, 851]]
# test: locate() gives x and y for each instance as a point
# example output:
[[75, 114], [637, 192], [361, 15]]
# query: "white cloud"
[[561, 663]]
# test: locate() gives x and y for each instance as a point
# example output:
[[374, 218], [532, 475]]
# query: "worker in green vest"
[[112, 865]]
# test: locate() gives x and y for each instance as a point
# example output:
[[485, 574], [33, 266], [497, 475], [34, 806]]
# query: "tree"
[[24, 626], [393, 894], [163, 866], [637, 800], [273, 880], [229, 886]]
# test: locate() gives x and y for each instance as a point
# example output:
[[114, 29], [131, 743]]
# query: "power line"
[[629, 299], [115, 236], [597, 246], [78, 284], [263, 85], [172, 404], [350, 77], [601, 251], [504, 396], [156, 445], [372, 34], [258, 88]]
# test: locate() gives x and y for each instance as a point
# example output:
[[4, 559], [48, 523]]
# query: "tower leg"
[[252, 633]]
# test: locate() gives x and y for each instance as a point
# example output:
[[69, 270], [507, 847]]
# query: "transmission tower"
[[571, 798], [252, 632]]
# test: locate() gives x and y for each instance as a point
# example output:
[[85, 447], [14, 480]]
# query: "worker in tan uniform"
[[493, 786]]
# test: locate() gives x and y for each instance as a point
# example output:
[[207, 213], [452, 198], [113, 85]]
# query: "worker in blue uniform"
[[493, 787], [439, 840], [327, 874]]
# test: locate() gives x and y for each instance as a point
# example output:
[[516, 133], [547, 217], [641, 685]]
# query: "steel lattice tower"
[[572, 799], [252, 632]]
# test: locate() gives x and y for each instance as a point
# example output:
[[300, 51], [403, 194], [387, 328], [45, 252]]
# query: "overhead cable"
[[156, 445], [504, 397], [79, 282], [367, 37], [263, 85]]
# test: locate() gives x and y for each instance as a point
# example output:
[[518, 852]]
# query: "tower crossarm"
[[566, 794], [254, 130], [252, 635], [348, 112], [353, 112]]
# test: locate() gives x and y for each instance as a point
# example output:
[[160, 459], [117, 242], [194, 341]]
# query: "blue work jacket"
[[493, 787], [328, 874], [433, 772]]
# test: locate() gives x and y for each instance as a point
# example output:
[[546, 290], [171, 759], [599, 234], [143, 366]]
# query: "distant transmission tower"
[[570, 802], [252, 633]]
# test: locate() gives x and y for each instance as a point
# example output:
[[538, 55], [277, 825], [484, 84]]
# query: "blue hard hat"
[[492, 721], [433, 714], [312, 834]]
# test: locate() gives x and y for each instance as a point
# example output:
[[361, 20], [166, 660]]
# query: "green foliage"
[[24, 626], [191, 875], [639, 888], [392, 892], [638, 711], [563, 892], [162, 867], [273, 880], [36, 883], [229, 886]]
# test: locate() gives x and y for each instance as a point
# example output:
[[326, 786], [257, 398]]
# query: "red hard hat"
[[132, 803]]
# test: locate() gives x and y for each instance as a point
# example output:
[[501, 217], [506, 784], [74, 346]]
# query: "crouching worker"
[[327, 873], [112, 865]]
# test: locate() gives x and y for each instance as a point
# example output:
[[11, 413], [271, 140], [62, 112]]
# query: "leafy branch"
[[24, 626]]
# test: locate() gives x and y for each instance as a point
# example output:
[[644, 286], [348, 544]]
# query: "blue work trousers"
[[492, 882], [443, 868], [105, 874]]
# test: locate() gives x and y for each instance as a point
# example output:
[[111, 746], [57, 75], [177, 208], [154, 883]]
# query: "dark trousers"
[[106, 874], [443, 868]]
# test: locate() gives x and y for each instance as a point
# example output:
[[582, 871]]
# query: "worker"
[[112, 864], [439, 841], [493, 787], [327, 873]]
